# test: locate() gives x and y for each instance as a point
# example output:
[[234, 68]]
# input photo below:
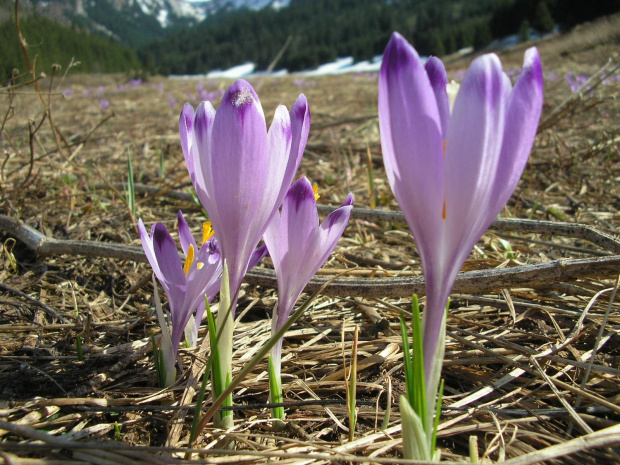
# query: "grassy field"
[[532, 367]]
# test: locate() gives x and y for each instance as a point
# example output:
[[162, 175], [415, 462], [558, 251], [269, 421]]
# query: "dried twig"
[[45, 308], [520, 225], [469, 282]]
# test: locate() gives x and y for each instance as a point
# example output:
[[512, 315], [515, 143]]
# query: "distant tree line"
[[319, 31], [51, 43], [322, 30]]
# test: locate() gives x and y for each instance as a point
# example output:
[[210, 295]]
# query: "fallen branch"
[[468, 282], [574, 230]]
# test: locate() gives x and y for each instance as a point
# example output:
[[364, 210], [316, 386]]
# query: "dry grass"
[[532, 372]]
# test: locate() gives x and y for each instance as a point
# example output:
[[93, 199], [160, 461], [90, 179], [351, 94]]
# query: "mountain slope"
[[133, 22]]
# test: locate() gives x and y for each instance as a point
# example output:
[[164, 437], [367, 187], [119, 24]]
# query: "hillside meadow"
[[532, 366]]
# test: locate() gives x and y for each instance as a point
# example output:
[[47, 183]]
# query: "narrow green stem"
[[275, 389]]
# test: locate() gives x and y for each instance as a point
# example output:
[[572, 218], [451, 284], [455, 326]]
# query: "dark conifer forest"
[[50, 43]]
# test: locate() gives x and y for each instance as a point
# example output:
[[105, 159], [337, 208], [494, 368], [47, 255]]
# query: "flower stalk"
[[221, 337]]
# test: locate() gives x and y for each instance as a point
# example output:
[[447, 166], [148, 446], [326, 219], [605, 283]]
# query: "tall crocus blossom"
[[186, 284], [298, 246], [452, 168], [241, 173]]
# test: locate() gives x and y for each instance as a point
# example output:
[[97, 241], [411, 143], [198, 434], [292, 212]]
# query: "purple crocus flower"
[[104, 104], [240, 171], [452, 170], [298, 247], [185, 284]]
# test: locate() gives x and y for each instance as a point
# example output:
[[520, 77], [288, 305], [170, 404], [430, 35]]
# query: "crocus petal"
[[474, 143], [172, 271], [239, 171], [272, 241], [280, 161], [439, 80], [186, 131], [167, 255], [522, 115], [300, 128], [299, 220], [411, 137], [185, 234], [257, 256], [203, 179], [147, 245]]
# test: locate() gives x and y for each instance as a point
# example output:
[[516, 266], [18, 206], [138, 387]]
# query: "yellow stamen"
[[315, 189], [199, 265], [189, 260], [207, 231], [443, 213], [445, 143]]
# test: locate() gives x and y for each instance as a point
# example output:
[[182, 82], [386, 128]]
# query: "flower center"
[[207, 231]]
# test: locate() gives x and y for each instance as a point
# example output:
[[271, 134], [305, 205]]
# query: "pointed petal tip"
[[399, 55], [436, 72], [186, 127], [340, 215], [486, 79], [142, 229], [160, 233], [300, 109], [241, 94], [181, 223], [348, 201], [203, 119], [301, 192], [187, 110], [257, 256], [532, 65]]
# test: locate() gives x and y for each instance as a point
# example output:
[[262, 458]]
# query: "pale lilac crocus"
[[453, 167], [299, 246], [186, 284], [240, 171]]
